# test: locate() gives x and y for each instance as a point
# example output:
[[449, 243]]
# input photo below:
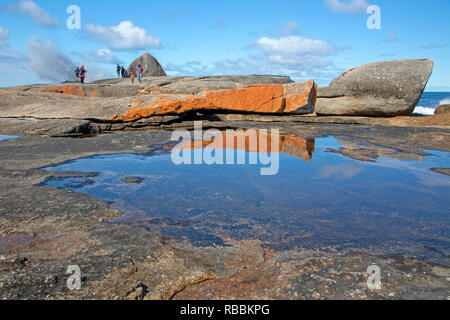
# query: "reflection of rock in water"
[[256, 141], [364, 150], [445, 171], [298, 147]]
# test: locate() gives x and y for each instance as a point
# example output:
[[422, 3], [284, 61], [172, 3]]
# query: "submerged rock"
[[445, 108], [151, 66], [133, 180], [391, 88]]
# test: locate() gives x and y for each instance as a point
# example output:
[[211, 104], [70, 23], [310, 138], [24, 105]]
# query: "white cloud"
[[102, 56], [14, 68], [295, 45], [43, 63], [352, 6], [188, 68], [9, 56], [125, 36], [50, 64], [31, 10], [4, 35], [299, 68], [297, 57]]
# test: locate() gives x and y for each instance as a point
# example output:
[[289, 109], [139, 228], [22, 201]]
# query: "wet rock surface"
[[43, 230]]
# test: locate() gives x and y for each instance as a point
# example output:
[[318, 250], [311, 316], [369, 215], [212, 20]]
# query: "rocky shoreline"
[[44, 229], [73, 109]]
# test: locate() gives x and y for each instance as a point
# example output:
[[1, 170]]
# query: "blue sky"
[[302, 39]]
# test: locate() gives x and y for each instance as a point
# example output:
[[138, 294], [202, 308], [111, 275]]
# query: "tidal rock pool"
[[335, 192]]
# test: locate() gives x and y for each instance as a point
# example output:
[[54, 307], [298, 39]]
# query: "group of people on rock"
[[122, 72], [80, 73]]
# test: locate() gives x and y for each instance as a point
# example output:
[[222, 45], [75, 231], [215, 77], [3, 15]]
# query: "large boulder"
[[151, 66], [391, 88]]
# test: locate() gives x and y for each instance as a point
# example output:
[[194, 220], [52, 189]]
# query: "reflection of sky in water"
[[5, 137], [333, 200]]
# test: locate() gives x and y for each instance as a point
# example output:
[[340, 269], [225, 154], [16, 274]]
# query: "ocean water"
[[322, 196], [430, 101]]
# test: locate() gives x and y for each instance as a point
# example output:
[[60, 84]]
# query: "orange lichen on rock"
[[164, 106], [267, 98], [73, 91], [155, 89], [52, 90], [70, 90], [298, 147], [262, 98], [300, 95]]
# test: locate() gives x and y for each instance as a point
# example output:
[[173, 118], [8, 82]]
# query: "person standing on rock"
[[82, 74], [139, 72], [132, 77], [77, 72], [118, 69], [122, 71]]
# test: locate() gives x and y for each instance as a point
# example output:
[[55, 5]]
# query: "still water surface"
[[327, 193]]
